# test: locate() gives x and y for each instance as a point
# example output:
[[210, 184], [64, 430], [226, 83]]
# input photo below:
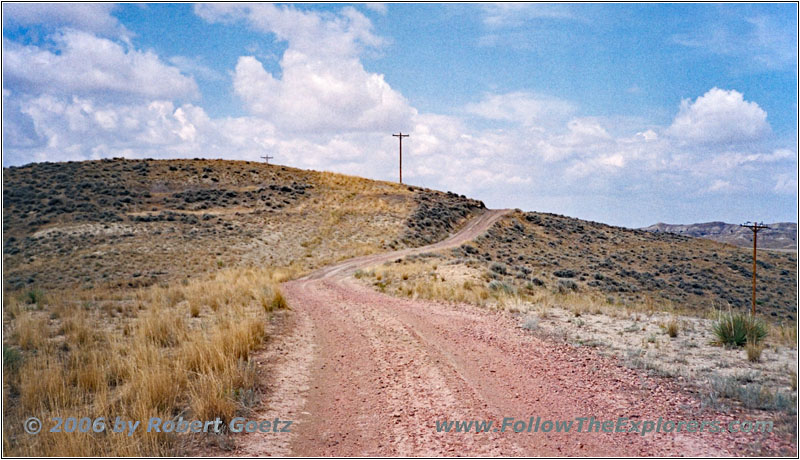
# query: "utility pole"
[[755, 227], [267, 158], [401, 136]]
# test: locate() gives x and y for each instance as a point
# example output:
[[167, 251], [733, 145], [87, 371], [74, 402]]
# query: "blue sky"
[[627, 114]]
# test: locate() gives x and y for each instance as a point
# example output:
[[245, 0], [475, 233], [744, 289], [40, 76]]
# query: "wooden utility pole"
[[267, 158], [755, 227], [401, 136]]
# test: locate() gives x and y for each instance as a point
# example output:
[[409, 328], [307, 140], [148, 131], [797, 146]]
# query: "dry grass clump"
[[137, 355], [672, 328], [754, 352]]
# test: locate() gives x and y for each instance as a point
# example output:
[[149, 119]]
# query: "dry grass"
[[157, 351]]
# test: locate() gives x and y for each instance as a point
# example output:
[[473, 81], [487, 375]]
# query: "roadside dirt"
[[365, 374]]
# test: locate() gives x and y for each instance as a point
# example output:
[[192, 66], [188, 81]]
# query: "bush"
[[12, 358], [672, 328], [565, 286], [531, 323], [278, 301], [754, 352], [498, 267], [35, 296], [736, 330], [503, 287]]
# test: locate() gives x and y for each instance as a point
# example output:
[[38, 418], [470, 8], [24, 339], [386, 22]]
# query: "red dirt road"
[[365, 374]]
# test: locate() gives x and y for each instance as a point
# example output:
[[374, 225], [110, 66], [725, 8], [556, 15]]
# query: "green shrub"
[[35, 296], [12, 358], [736, 330]]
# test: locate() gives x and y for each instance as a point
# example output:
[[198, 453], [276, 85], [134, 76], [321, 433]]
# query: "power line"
[[267, 158], [755, 227], [400, 136]]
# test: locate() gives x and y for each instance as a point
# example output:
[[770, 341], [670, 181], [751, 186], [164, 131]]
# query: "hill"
[[138, 222], [140, 288], [529, 252], [143, 287], [780, 235]]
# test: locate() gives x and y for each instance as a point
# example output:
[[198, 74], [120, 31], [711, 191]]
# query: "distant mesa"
[[780, 235]]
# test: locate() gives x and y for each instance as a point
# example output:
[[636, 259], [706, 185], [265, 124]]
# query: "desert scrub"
[[737, 329]]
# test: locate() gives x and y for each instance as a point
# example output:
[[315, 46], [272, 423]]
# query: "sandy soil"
[[365, 374]]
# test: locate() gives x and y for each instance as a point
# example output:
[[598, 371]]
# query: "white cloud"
[[86, 64], [730, 160], [380, 8], [516, 14], [323, 87], [786, 184], [90, 17], [522, 107], [720, 185], [322, 35], [758, 42], [196, 67], [319, 96], [719, 116]]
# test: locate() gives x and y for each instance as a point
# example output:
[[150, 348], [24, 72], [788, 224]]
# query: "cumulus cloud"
[[79, 128], [90, 17], [86, 64], [323, 35], [719, 116], [322, 87], [320, 96]]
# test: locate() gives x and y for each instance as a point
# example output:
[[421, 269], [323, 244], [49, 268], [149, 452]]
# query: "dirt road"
[[365, 374]]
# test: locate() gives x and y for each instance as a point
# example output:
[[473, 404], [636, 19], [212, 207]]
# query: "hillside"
[[141, 288], [149, 288], [780, 235], [530, 252], [139, 222]]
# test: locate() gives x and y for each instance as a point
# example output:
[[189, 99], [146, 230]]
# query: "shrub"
[[565, 286], [754, 352], [736, 330], [566, 273], [673, 328], [35, 296], [498, 267], [531, 323], [12, 358], [278, 301], [502, 287]]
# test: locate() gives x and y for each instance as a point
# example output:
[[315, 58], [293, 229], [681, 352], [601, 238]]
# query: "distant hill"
[[781, 235], [533, 251]]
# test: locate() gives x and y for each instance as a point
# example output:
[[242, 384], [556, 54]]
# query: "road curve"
[[470, 231], [365, 374]]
